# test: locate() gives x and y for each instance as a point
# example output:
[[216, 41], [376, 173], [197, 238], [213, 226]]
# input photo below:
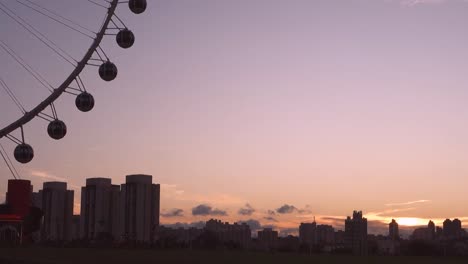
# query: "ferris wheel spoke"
[[12, 95], [95, 56], [55, 19], [45, 117], [98, 4], [57, 15], [8, 162], [36, 33], [26, 66]]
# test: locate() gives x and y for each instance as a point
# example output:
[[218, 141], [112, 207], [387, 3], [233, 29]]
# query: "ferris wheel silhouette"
[[73, 83]]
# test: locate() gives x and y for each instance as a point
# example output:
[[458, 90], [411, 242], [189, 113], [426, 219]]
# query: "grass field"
[[110, 256]]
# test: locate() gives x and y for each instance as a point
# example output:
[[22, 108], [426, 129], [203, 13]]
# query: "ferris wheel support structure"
[[28, 116]]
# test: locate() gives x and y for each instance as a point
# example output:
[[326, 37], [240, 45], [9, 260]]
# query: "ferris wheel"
[[71, 83]]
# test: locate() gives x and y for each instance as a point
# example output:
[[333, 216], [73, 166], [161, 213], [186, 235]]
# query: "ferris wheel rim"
[[30, 115]]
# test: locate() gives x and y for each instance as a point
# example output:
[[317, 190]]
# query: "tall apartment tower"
[[57, 205], [308, 233], [139, 208], [393, 232], [356, 234], [432, 229], [99, 210]]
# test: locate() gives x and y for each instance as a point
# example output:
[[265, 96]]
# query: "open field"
[[108, 256]]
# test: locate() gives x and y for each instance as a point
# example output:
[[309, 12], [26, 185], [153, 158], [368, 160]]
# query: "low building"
[[239, 234]]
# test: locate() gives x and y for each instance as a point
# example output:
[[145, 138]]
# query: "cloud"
[[205, 210], [270, 218], [286, 209], [253, 224], [47, 176], [288, 231], [171, 191], [247, 210], [271, 212], [199, 224], [408, 203], [173, 213], [289, 209], [419, 2]]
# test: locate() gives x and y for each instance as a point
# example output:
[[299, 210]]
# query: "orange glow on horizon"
[[411, 221]]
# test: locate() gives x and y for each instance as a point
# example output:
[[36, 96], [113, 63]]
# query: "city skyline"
[[306, 109], [205, 212]]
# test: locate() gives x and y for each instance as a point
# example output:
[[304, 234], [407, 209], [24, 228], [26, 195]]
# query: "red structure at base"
[[15, 214]]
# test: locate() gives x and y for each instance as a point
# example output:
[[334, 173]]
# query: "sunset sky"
[[286, 109]]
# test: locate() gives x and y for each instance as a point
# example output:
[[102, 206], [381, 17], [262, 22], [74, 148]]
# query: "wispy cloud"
[[420, 2], [413, 3], [408, 203], [47, 176]]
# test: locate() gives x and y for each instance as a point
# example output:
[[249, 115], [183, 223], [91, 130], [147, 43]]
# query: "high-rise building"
[[75, 231], [139, 208], [308, 233], [57, 205], [356, 234], [432, 229], [457, 227], [99, 210], [452, 229], [268, 238], [393, 231]]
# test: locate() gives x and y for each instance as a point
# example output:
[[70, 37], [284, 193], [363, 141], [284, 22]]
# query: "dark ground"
[[110, 256]]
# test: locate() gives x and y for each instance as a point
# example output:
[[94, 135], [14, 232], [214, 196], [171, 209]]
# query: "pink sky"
[[326, 105]]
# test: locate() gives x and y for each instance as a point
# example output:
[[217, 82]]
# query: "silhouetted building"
[[452, 229], [308, 233], [14, 212], [268, 239], [356, 234], [325, 235], [178, 237], [432, 229], [139, 208], [288, 244], [393, 231], [425, 233], [388, 247], [19, 197], [339, 239], [100, 209], [57, 205], [75, 231], [422, 233], [439, 232], [234, 233]]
